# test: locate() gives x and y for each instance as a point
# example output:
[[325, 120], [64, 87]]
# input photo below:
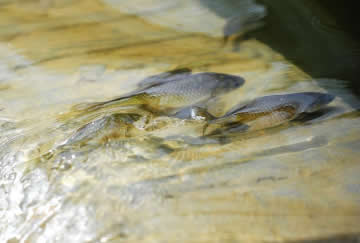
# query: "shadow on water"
[[319, 36]]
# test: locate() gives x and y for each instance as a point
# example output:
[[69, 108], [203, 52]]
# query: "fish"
[[121, 123], [194, 113], [250, 17], [268, 111], [238, 25], [171, 91], [240, 16]]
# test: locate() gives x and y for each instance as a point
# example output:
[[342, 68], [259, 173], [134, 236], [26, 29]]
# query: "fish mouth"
[[329, 98], [325, 99], [236, 81], [320, 102]]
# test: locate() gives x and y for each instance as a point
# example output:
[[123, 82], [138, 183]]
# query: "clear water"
[[126, 175]]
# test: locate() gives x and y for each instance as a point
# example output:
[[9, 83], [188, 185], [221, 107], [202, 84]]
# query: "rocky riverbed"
[[130, 178]]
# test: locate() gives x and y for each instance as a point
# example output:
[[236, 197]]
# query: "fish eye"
[[325, 99], [238, 81]]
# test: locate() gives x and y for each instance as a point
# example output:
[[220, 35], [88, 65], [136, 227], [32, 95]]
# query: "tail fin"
[[87, 106], [84, 108], [224, 120], [121, 101], [223, 123]]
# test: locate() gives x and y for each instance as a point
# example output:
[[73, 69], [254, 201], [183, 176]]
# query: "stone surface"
[[159, 182]]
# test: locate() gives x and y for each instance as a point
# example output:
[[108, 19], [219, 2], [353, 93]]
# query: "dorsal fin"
[[157, 79]]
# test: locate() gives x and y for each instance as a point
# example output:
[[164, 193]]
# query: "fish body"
[[168, 95], [250, 17], [194, 113], [120, 123], [270, 111], [238, 25]]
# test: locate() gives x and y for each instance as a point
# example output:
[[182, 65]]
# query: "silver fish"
[[194, 113], [270, 111], [170, 93], [116, 122], [238, 25]]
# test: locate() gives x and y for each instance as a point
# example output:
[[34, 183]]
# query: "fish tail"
[[122, 101], [216, 120], [225, 40], [87, 106], [84, 108], [220, 120], [212, 125], [223, 123]]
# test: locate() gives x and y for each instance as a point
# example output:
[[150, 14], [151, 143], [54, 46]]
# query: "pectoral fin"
[[271, 119], [194, 113], [213, 129]]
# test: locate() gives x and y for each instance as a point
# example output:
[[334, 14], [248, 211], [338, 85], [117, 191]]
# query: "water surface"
[[132, 176]]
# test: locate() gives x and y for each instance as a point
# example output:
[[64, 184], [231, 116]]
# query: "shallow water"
[[123, 174]]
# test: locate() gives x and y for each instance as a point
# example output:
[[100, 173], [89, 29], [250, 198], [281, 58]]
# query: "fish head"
[[226, 83], [319, 101]]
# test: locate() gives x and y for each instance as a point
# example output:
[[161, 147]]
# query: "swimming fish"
[[250, 17], [169, 92], [238, 25], [194, 113], [157, 79], [119, 123], [269, 111]]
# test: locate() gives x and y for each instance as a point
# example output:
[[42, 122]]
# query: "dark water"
[[320, 36]]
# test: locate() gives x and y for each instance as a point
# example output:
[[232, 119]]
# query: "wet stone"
[[103, 113]]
